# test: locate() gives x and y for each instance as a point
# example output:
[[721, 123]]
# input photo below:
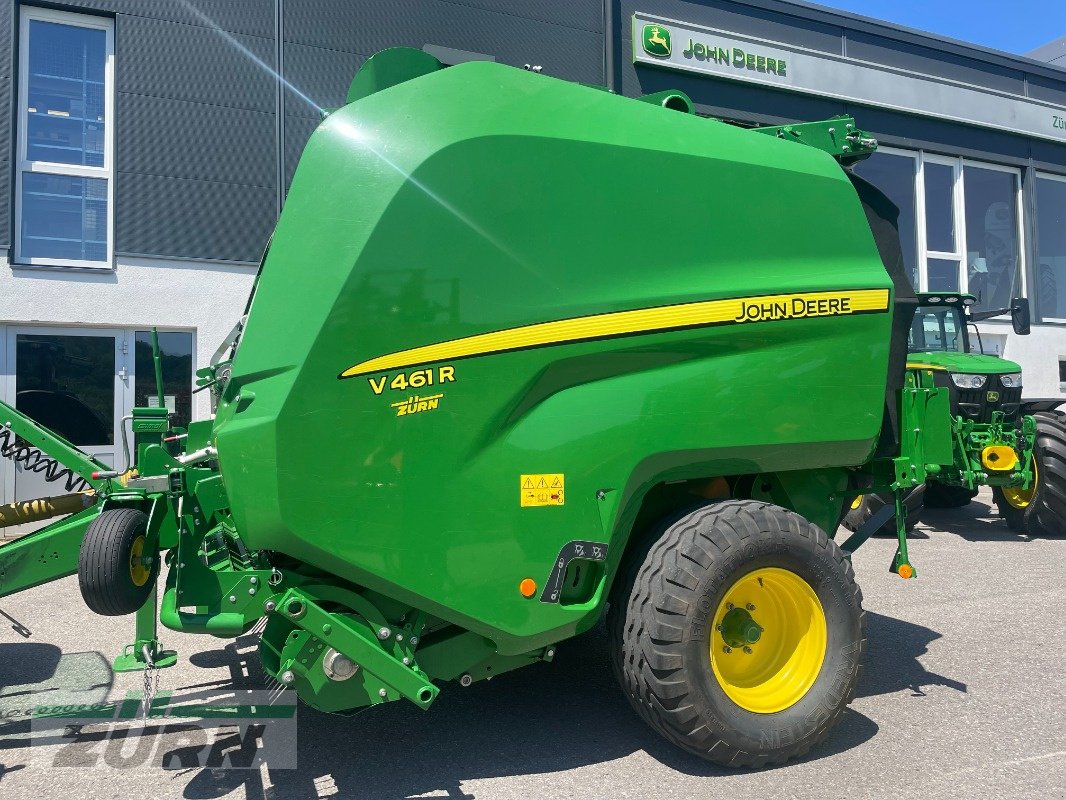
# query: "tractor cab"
[[939, 340]]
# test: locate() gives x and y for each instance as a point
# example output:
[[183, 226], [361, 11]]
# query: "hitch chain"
[[151, 680]]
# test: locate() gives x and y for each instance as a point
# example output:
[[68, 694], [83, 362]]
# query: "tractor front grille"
[[976, 405]]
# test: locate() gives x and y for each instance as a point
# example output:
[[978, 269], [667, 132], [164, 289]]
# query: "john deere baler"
[[521, 350]]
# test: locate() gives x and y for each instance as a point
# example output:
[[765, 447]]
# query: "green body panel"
[[970, 363], [482, 198], [47, 554]]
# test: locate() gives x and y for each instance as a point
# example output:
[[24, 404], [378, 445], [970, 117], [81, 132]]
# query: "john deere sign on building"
[[722, 54], [655, 40]]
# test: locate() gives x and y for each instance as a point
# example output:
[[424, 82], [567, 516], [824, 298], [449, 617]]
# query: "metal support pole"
[[133, 655], [158, 362]]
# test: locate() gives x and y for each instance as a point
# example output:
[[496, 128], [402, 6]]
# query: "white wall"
[[1038, 353], [205, 297]]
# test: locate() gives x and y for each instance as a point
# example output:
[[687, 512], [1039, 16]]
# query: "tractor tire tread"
[[1047, 514]]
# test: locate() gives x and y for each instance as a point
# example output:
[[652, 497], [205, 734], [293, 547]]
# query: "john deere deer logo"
[[993, 397], [656, 41]]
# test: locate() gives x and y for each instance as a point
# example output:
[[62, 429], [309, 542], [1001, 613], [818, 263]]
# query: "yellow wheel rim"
[[768, 640], [1021, 498], [139, 573]]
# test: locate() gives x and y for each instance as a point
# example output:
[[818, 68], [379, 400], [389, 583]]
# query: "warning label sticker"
[[541, 490]]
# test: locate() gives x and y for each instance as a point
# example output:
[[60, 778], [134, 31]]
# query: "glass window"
[[992, 248], [64, 217], [943, 275], [67, 383], [939, 207], [1050, 272], [64, 176], [177, 363], [65, 94], [894, 175], [936, 329]]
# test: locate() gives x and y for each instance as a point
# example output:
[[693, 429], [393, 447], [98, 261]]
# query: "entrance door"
[[72, 381]]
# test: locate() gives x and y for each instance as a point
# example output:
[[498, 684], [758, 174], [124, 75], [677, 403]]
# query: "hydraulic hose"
[[34, 460]]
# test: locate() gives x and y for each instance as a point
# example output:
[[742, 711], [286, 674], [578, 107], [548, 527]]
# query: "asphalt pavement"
[[963, 696]]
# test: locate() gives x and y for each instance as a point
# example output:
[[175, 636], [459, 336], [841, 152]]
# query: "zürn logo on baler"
[[656, 41]]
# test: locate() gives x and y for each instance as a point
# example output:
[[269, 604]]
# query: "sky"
[[1016, 26]]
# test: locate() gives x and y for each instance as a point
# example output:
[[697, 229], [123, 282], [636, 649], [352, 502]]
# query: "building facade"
[[151, 143]]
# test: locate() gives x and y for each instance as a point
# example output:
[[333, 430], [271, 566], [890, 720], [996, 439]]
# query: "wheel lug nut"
[[729, 606], [727, 649], [718, 628], [750, 606], [747, 650]]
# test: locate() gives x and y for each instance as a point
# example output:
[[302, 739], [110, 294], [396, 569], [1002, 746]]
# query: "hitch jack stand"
[[900, 565], [133, 655]]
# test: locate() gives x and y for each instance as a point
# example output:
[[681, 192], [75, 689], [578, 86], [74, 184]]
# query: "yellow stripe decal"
[[912, 365], [659, 319]]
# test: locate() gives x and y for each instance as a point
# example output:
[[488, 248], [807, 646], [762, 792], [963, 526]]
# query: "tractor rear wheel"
[[940, 495], [738, 633], [115, 572], [1041, 509], [866, 505]]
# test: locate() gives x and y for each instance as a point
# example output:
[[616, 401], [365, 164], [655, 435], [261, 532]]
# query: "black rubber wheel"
[[940, 495], [670, 651], [1014, 517], [870, 504], [1045, 515], [113, 579]]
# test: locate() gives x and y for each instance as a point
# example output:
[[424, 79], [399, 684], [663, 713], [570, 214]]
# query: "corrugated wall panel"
[[366, 27], [8, 32], [252, 17], [182, 139], [163, 216], [189, 62], [326, 41], [196, 143]]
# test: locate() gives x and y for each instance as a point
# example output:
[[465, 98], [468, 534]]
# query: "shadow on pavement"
[[892, 665], [976, 522], [541, 719]]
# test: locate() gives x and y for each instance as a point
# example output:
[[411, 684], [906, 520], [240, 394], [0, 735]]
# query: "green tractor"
[[524, 355], [991, 425]]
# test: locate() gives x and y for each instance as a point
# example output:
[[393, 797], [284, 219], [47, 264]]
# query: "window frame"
[[1019, 216], [23, 165], [1042, 175], [958, 165]]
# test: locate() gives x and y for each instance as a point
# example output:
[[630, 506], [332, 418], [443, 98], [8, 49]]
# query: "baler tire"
[[913, 501], [1046, 514], [105, 563], [941, 495], [662, 623]]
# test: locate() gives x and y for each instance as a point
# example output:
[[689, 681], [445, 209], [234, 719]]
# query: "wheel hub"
[[740, 629], [1021, 498], [770, 640], [139, 569]]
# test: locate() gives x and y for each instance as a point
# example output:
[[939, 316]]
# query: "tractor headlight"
[[966, 381], [1012, 381]]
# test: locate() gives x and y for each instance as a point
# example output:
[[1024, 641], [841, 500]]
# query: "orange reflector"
[[905, 571], [528, 587]]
